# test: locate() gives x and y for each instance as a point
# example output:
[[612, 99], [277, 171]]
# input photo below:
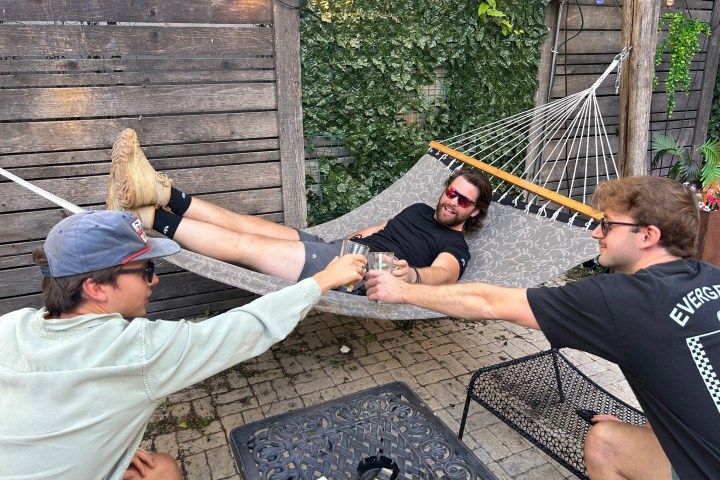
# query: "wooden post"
[[708, 81], [639, 32], [290, 125]]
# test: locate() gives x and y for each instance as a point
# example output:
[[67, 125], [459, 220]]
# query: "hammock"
[[531, 152]]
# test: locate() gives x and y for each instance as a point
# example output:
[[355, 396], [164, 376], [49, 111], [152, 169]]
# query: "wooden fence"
[[589, 37], [212, 89]]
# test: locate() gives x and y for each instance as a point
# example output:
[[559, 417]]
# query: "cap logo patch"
[[139, 229]]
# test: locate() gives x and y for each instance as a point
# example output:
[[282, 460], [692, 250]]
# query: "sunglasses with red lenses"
[[462, 200]]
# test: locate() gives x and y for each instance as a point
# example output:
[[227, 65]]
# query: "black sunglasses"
[[463, 201], [605, 225], [148, 270]]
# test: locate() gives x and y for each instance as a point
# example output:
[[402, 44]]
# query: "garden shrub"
[[387, 76]]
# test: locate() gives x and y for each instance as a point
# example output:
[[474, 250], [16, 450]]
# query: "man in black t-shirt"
[[429, 242], [657, 316]]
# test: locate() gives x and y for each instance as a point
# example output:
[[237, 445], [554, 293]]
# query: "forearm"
[[430, 276], [458, 300], [472, 301]]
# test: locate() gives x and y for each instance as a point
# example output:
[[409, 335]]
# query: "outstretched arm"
[[472, 301]]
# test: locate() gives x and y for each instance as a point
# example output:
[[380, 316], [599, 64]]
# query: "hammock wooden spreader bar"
[[522, 183]]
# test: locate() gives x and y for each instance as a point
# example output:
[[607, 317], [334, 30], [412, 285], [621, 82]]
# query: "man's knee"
[[168, 465], [600, 444]]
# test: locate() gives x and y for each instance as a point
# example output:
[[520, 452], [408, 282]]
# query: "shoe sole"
[[128, 163]]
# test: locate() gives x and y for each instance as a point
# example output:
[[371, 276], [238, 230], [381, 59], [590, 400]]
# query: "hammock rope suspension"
[[550, 157]]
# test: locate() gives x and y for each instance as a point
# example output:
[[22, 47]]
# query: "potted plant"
[[700, 171]]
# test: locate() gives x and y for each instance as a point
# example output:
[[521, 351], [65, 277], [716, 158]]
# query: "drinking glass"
[[348, 247], [382, 261]]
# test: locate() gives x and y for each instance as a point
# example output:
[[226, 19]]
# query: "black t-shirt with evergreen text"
[[661, 325]]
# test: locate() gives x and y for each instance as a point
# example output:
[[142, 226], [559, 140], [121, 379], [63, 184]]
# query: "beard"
[[447, 219]]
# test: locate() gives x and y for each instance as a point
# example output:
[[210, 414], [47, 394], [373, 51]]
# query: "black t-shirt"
[[414, 235], [661, 325]]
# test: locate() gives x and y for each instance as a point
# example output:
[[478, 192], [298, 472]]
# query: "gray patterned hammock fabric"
[[513, 249]]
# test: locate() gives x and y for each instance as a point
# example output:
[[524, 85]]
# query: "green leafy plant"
[[700, 169], [488, 12], [684, 43], [386, 77]]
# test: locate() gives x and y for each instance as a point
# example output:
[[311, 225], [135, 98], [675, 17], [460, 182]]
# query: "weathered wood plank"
[[158, 11], [263, 147], [20, 281], [183, 307], [173, 286], [609, 17], [171, 292], [134, 78], [587, 59], [196, 307], [101, 133], [8, 305], [290, 126], [136, 40], [598, 68], [609, 105], [687, 4], [592, 42], [591, 17], [708, 82], [76, 64], [54, 103], [22, 226], [167, 165], [568, 84], [92, 190], [16, 254]]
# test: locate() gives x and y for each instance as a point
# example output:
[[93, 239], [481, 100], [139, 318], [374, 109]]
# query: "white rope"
[[562, 146], [43, 193]]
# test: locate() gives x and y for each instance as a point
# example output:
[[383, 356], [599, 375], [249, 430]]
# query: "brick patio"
[[435, 358]]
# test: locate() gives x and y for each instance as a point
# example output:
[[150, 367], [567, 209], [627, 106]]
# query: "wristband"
[[418, 278]]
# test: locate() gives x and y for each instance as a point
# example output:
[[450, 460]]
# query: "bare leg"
[[273, 256], [211, 213], [618, 450]]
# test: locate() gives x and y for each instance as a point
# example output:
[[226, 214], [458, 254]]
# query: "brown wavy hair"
[[481, 182], [658, 201], [63, 294]]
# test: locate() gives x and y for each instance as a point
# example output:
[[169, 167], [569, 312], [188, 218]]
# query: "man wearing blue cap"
[[81, 377]]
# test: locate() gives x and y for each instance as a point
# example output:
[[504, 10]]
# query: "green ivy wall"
[[387, 76]]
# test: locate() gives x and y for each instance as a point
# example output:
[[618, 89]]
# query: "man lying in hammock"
[[657, 316], [429, 242]]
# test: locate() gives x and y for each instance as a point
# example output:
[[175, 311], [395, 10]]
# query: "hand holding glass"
[[384, 261], [350, 247]]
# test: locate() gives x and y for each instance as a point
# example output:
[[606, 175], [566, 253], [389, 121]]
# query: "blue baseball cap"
[[98, 239]]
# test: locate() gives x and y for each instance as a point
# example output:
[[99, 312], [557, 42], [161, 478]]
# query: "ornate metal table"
[[332, 438]]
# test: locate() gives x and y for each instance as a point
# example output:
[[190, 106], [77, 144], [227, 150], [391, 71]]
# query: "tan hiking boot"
[[146, 214], [133, 181]]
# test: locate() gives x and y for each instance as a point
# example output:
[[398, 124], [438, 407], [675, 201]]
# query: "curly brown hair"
[[658, 201], [482, 202]]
